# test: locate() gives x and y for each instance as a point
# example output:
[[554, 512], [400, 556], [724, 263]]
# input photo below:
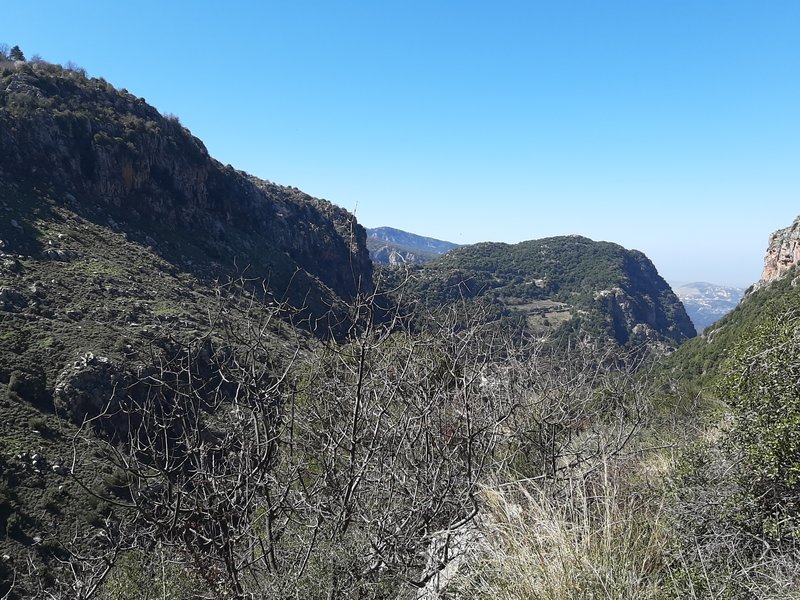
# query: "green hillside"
[[572, 282], [700, 360]]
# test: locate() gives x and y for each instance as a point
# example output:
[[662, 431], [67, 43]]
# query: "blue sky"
[[672, 127]]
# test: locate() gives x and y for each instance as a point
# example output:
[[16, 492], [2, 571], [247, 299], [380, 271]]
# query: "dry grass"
[[587, 541]]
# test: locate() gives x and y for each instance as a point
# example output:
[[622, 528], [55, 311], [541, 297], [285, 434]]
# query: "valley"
[[216, 386]]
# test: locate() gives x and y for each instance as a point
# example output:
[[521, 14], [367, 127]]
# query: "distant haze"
[[706, 303]]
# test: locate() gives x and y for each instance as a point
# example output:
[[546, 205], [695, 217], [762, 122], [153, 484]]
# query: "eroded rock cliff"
[[783, 253]]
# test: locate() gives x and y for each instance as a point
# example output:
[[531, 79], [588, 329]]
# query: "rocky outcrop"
[[93, 386], [387, 255], [783, 253]]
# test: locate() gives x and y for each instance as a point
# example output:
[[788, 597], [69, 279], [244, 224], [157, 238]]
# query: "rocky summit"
[[783, 253]]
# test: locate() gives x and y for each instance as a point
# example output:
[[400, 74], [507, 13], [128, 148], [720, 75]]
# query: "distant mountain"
[[599, 289], [706, 303], [390, 246]]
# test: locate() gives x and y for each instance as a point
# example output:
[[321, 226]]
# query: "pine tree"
[[16, 54]]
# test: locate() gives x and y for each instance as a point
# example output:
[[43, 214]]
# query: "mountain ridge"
[[390, 246], [706, 302]]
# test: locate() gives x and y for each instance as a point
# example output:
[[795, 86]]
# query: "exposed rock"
[[388, 255], [59, 255], [91, 386], [11, 300], [783, 253], [11, 265], [60, 470]]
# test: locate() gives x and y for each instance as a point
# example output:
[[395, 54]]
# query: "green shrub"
[[762, 386], [149, 575], [29, 385]]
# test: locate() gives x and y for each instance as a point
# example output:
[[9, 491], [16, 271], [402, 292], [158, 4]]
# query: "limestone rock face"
[[783, 253]]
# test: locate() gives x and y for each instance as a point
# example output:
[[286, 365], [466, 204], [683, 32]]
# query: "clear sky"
[[672, 127]]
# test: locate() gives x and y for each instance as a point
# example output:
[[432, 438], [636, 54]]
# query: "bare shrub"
[[349, 468]]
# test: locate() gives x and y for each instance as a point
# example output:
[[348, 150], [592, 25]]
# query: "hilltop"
[[569, 283]]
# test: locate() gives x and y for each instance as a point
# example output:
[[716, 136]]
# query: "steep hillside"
[[391, 246], [572, 282], [77, 144], [118, 239]]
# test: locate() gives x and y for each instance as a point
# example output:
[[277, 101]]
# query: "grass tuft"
[[587, 541]]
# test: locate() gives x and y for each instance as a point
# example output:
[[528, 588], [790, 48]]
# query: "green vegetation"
[[16, 54], [761, 385], [597, 544], [699, 361], [610, 290]]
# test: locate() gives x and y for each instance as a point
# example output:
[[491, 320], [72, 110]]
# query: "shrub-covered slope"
[[598, 288], [700, 359]]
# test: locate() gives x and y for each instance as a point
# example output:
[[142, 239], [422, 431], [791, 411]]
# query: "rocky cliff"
[[113, 159], [783, 253]]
